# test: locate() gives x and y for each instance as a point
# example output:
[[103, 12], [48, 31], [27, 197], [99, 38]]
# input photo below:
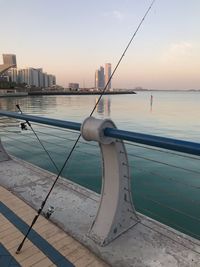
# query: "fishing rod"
[[23, 127], [78, 138]]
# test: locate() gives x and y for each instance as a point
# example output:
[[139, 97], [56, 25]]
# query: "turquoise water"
[[165, 185]]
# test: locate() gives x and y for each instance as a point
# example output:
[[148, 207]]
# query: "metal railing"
[[151, 140], [165, 171]]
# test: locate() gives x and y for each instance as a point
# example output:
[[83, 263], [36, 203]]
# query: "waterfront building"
[[13, 75], [99, 78], [107, 75], [29, 76], [40, 77], [45, 80], [33, 77], [10, 59], [51, 80], [96, 80], [54, 80], [73, 86], [36, 78], [22, 76]]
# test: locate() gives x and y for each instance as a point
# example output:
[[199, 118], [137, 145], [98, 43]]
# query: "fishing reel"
[[49, 212], [23, 126]]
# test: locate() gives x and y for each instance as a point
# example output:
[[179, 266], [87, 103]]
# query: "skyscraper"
[[45, 80], [107, 75], [40, 77], [29, 76], [10, 59], [13, 75], [99, 79]]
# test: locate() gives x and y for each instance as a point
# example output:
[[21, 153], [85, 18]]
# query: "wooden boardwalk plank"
[[43, 263], [31, 255]]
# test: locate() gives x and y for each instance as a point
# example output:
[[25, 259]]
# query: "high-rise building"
[[29, 76], [51, 80], [96, 79], [40, 77], [107, 75], [10, 59], [54, 80], [99, 79], [34, 77], [45, 80], [21, 76], [13, 75]]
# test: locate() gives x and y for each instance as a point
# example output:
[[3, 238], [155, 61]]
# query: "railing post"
[[116, 213]]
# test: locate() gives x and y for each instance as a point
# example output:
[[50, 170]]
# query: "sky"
[[73, 38]]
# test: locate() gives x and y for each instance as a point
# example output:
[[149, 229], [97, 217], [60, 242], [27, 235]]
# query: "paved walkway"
[[47, 244], [148, 244]]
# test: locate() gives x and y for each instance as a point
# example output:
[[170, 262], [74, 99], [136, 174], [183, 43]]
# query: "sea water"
[[165, 185]]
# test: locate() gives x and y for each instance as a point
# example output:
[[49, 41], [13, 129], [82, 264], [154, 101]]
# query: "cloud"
[[115, 14], [182, 48], [176, 51]]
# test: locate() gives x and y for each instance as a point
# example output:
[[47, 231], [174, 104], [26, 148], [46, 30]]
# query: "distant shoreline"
[[79, 93], [82, 93]]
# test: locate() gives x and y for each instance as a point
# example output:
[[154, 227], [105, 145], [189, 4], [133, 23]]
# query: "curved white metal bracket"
[[116, 213]]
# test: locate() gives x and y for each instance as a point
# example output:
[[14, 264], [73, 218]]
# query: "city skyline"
[[31, 77], [165, 53]]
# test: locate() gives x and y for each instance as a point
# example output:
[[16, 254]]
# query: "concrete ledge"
[[149, 243]]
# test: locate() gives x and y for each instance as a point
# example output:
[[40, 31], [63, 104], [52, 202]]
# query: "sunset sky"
[[72, 38]]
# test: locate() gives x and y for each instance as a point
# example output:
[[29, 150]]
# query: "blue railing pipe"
[[48, 121], [155, 141], [146, 139]]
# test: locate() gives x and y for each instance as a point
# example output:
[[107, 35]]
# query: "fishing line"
[[172, 222], [54, 127], [163, 163], [79, 136], [51, 159], [173, 194], [162, 151], [168, 207], [65, 138]]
